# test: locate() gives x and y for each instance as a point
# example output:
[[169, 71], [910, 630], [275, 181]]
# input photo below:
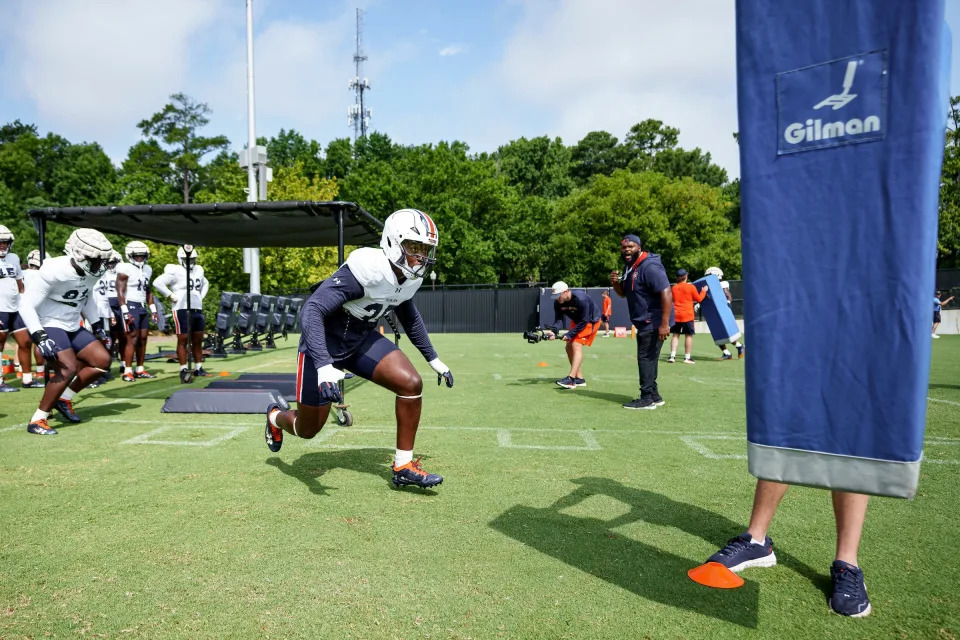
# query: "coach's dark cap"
[[681, 273]]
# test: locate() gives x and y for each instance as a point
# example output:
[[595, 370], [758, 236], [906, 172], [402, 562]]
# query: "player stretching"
[[51, 310], [340, 332], [188, 322], [134, 296]]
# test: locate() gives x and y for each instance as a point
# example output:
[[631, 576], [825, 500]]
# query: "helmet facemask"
[[417, 258], [6, 241]]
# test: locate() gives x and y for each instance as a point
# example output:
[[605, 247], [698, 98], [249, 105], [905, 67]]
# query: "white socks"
[[402, 458], [68, 394], [726, 352], [139, 368], [183, 367], [272, 417], [40, 415], [673, 354], [755, 541]]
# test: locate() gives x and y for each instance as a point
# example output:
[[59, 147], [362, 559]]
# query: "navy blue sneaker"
[[580, 382], [200, 373], [740, 553], [413, 474], [567, 383], [740, 352], [65, 407], [33, 384], [849, 597], [641, 403], [5, 388], [726, 356], [273, 435], [658, 401]]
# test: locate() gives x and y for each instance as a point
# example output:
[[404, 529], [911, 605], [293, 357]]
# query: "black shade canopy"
[[227, 224]]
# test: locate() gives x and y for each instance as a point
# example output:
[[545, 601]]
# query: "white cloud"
[[451, 50], [611, 64], [94, 69]]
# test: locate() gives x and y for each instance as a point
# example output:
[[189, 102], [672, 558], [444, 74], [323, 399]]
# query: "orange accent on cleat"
[[714, 574]]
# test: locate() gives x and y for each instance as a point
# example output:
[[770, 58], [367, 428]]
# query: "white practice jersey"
[[30, 279], [9, 274], [381, 291], [138, 281], [172, 283], [57, 296], [105, 289]]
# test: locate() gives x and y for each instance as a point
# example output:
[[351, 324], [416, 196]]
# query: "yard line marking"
[[693, 443], [497, 376], [720, 382], [176, 424], [505, 441], [146, 437], [950, 402], [16, 426], [266, 364]]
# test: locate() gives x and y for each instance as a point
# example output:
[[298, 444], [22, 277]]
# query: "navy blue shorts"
[[8, 319], [75, 340], [936, 316], [188, 322], [140, 315], [364, 360], [18, 324]]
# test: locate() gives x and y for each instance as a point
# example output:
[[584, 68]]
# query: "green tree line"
[[536, 209]]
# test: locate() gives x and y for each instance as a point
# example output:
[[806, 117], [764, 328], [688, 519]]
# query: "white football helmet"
[[137, 249], [5, 236], [33, 258], [409, 232], [182, 256], [114, 259], [715, 271], [90, 250]]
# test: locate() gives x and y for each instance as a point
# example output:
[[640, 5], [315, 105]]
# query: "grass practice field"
[[561, 514]]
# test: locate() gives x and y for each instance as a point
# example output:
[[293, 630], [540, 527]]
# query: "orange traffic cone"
[[542, 364], [714, 574]]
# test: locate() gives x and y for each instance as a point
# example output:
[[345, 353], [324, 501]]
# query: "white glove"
[[329, 373], [438, 366]]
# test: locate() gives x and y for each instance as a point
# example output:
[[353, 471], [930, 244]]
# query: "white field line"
[[694, 443], [147, 438], [950, 402], [269, 364], [590, 441]]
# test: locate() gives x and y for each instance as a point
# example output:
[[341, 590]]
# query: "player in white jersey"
[[103, 291], [20, 333], [135, 298], [339, 332], [725, 285], [52, 311], [189, 321], [11, 286]]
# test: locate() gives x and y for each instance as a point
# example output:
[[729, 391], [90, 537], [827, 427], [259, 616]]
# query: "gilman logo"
[[814, 116]]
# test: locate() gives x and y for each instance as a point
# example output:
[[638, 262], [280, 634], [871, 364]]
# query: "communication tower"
[[358, 116]]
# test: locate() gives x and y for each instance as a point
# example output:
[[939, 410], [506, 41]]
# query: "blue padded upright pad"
[[842, 108], [716, 311]]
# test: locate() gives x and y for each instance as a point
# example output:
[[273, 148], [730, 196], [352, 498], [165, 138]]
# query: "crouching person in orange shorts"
[[584, 325]]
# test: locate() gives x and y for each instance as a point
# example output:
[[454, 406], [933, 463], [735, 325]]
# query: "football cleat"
[[273, 435], [96, 383], [65, 407], [413, 474], [726, 356], [186, 377], [740, 352], [200, 373], [143, 374], [127, 377], [41, 428], [36, 383], [5, 388]]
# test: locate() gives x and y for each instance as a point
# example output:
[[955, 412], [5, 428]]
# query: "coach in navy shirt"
[[645, 285]]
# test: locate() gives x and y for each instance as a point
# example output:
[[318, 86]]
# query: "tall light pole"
[[251, 257]]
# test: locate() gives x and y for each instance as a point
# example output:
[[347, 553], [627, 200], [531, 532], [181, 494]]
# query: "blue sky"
[[482, 72]]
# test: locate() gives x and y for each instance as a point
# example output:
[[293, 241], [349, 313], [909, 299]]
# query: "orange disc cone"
[[542, 364], [714, 574], [223, 374]]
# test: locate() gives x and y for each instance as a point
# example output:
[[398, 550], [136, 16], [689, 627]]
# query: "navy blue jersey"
[[334, 326], [579, 308], [642, 284]]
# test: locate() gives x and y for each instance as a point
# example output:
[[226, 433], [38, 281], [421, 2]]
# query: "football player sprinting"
[[20, 333], [52, 312], [103, 290], [190, 322], [11, 287], [135, 297], [339, 331]]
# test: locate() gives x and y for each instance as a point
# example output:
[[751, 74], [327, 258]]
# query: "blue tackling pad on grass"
[[842, 114], [717, 313]]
